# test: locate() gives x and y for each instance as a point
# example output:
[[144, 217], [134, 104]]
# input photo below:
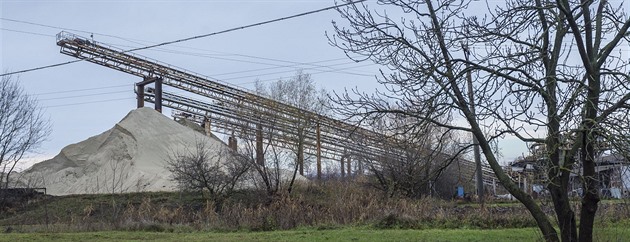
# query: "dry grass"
[[324, 206]]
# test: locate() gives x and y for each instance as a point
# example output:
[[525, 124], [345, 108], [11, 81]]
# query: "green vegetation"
[[346, 234], [333, 203], [332, 210]]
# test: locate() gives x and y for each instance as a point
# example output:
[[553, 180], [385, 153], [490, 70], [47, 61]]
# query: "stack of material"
[[130, 157]]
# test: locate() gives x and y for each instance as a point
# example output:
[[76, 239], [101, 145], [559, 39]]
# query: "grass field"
[[333, 211], [344, 234]]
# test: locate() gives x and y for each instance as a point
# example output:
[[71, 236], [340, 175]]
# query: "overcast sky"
[[84, 99]]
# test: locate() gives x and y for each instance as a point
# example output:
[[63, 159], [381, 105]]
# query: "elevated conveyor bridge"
[[228, 109]]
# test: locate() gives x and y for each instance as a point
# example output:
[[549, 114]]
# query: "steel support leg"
[[207, 125], [319, 153], [140, 95], [232, 143], [158, 94], [343, 167], [260, 156], [349, 163], [300, 158]]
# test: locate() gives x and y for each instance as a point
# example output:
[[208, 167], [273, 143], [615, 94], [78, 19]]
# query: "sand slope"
[[130, 157]]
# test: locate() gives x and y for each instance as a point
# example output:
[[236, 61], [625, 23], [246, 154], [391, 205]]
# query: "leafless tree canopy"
[[202, 167], [550, 72], [278, 160], [22, 127], [299, 91], [425, 152]]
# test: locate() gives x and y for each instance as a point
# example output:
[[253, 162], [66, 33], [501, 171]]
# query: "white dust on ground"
[[130, 157]]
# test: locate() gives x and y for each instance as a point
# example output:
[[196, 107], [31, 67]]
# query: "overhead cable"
[[196, 37]]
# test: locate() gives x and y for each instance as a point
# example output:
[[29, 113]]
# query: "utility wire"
[[176, 92], [84, 95], [196, 37], [79, 90], [81, 103], [26, 32], [293, 64], [57, 27], [102, 101], [196, 54], [126, 91], [312, 73], [203, 55], [41, 67], [310, 68]]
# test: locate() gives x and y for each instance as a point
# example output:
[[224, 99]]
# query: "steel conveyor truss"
[[235, 110]]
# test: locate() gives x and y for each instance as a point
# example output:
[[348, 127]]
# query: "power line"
[[276, 66], [74, 30], [128, 98], [79, 90], [84, 95], [313, 73], [284, 66], [81, 103], [99, 101], [313, 65], [125, 91], [41, 67], [198, 36], [26, 32], [119, 99], [198, 54], [311, 68]]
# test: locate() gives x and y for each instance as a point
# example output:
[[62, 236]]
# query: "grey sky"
[[266, 52]]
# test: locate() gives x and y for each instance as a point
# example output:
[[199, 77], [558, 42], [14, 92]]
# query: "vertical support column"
[[207, 125], [343, 169], [319, 153], [232, 143], [158, 94], [140, 94], [349, 163], [260, 156], [300, 157], [359, 167]]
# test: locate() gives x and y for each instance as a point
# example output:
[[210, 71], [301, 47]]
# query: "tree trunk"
[[558, 186], [591, 197], [545, 226], [566, 216], [589, 137]]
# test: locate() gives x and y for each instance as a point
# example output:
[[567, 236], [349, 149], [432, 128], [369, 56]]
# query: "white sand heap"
[[130, 157]]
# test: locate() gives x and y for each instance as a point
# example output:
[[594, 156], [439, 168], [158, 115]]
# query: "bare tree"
[[272, 175], [299, 91], [542, 70], [425, 152], [22, 127], [283, 147], [204, 167], [119, 166]]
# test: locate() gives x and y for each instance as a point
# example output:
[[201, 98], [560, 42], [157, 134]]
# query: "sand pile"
[[130, 157]]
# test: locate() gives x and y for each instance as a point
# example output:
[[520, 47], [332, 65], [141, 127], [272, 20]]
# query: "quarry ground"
[[330, 211]]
